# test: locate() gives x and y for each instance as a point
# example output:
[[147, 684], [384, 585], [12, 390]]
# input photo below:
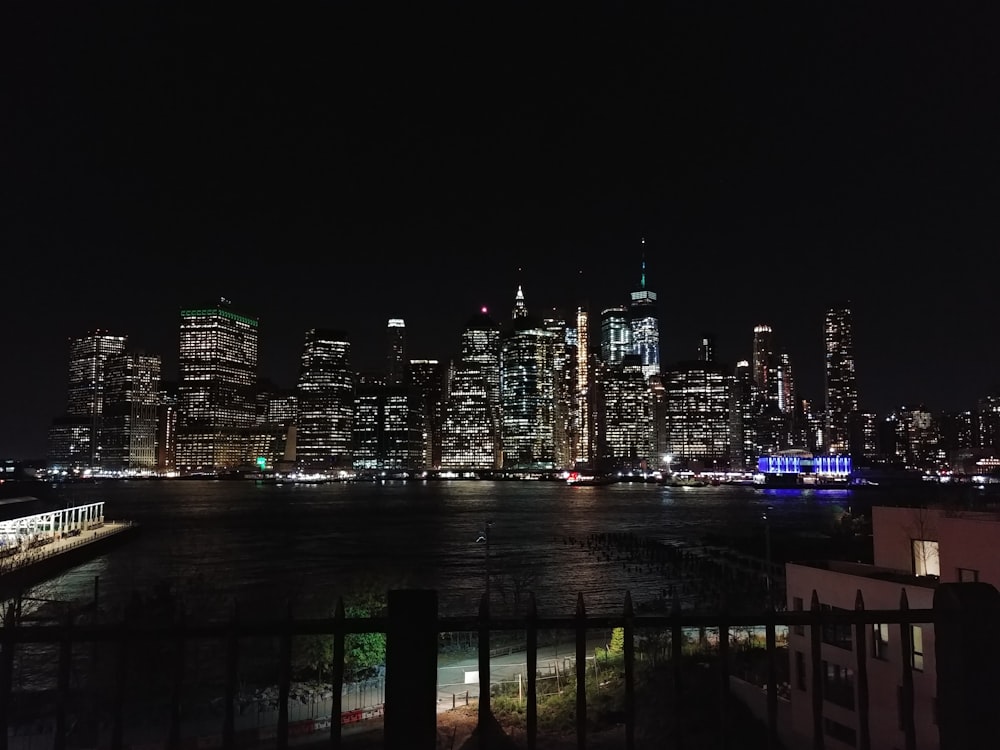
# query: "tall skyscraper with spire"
[[520, 309], [645, 325], [841, 384]]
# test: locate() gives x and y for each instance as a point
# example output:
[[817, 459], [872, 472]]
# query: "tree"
[[617, 645]]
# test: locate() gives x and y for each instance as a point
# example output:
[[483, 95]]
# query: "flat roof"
[[873, 572]]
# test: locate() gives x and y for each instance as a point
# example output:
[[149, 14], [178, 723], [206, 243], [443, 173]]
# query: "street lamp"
[[484, 537], [668, 459]]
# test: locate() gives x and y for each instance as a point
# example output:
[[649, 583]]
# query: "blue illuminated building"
[[803, 468]]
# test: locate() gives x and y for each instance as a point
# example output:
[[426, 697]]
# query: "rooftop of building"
[[872, 572]]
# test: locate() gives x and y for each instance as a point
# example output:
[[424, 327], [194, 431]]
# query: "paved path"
[[454, 670]]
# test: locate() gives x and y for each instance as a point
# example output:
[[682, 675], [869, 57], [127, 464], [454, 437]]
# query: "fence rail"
[[965, 617]]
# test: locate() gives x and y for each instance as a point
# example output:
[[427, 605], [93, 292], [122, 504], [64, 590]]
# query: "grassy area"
[[660, 713]]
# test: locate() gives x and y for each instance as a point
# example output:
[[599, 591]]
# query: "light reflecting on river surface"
[[263, 544]]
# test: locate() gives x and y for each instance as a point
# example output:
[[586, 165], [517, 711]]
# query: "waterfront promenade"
[[39, 546]]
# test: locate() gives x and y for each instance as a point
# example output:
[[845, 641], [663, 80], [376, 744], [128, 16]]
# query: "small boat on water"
[[579, 479]]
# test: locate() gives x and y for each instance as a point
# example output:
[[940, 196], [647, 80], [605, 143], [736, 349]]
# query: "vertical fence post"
[[815, 636], [676, 652], [629, 629], [62, 688], [118, 701], [581, 673], [411, 671], [861, 646], [174, 736], [967, 657], [532, 668], [284, 677], [337, 688], [723, 674], [484, 660], [232, 657], [6, 673], [906, 694], [772, 679]]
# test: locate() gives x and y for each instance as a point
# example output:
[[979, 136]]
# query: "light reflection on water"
[[260, 544]]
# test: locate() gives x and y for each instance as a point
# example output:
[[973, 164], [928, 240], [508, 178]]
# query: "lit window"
[[926, 561], [880, 640], [917, 661]]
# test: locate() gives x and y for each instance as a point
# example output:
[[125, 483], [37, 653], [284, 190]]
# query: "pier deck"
[[58, 552]]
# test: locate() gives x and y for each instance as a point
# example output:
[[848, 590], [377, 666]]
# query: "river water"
[[262, 545]]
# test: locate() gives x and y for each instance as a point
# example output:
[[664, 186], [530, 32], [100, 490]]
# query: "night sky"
[[338, 167]]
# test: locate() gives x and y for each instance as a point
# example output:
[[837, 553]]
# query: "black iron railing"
[[965, 617]]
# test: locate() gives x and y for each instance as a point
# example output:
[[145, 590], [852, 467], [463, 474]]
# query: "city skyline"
[[346, 173]]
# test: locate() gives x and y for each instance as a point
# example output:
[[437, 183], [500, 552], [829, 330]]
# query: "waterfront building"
[[697, 396], [616, 335], [480, 349], [645, 324], [563, 380], [325, 390], [468, 438], [167, 419], [867, 427], [75, 437], [428, 377], [841, 382], [397, 362], [915, 551], [217, 369], [528, 395], [388, 428], [764, 365], [581, 421], [273, 438], [625, 440], [131, 400], [743, 447], [987, 435]]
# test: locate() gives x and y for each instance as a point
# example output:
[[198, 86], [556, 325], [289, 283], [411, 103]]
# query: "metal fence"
[[966, 618]]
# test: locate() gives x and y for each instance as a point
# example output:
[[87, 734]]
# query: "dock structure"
[[36, 547]]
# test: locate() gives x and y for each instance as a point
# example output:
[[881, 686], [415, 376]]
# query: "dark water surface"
[[216, 542]]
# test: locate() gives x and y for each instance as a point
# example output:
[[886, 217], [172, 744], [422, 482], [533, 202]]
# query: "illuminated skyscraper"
[[841, 384], [397, 369], [743, 449], [581, 421], [645, 325], [326, 403], [216, 390], [563, 382], [527, 395], [75, 438], [428, 377], [697, 411], [472, 412], [763, 363], [520, 310], [468, 439], [625, 439], [616, 335], [131, 401]]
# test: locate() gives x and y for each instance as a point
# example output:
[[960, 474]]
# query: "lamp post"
[[484, 537], [668, 459]]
